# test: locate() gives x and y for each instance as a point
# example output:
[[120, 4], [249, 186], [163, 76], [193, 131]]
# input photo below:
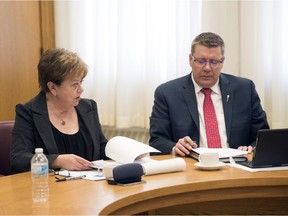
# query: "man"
[[177, 122]]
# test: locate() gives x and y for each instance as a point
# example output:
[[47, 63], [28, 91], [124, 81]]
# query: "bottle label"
[[39, 169]]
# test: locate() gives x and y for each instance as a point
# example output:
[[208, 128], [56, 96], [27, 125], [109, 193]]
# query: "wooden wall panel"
[[21, 42], [47, 24]]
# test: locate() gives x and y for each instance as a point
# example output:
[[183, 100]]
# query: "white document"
[[125, 150], [89, 174], [223, 152], [95, 174], [152, 167]]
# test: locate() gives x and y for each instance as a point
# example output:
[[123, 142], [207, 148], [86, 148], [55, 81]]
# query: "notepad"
[[224, 153]]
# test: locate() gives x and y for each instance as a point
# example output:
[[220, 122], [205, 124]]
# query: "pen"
[[70, 178], [96, 168]]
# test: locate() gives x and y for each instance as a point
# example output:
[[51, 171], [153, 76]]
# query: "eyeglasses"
[[213, 63], [57, 176], [67, 176]]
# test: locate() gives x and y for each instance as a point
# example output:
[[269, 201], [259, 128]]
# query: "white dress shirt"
[[218, 106]]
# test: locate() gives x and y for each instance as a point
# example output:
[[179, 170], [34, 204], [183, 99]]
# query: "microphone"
[[128, 173]]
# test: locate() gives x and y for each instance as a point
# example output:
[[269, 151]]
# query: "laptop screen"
[[271, 148]]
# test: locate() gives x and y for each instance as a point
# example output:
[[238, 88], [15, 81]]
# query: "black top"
[[74, 143], [32, 129]]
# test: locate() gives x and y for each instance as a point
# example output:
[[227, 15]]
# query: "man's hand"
[[184, 146], [246, 148]]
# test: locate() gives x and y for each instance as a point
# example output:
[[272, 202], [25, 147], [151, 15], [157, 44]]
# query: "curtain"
[[264, 54], [132, 46]]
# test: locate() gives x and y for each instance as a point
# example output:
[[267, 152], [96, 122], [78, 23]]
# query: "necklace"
[[62, 121]]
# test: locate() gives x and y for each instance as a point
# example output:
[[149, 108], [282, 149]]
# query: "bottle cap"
[[39, 150]]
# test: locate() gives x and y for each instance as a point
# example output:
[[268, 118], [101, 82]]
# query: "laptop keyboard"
[[245, 163]]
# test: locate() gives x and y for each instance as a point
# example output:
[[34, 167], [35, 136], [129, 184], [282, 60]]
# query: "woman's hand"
[[71, 162]]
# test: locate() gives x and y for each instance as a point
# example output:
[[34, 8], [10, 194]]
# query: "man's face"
[[206, 65]]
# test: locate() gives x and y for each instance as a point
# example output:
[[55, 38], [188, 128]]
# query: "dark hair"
[[57, 65], [208, 39]]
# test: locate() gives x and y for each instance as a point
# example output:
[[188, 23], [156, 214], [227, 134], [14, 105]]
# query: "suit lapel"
[[88, 118], [42, 123], [190, 100], [227, 94]]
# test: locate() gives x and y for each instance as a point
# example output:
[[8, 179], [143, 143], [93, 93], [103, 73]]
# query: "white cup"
[[209, 159], [108, 170]]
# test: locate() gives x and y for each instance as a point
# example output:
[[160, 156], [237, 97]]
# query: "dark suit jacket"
[[175, 112], [33, 130]]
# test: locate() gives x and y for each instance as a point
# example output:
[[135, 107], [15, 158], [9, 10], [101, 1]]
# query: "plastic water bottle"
[[39, 174]]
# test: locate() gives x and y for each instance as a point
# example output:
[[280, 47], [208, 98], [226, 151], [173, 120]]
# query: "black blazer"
[[33, 130], [175, 114]]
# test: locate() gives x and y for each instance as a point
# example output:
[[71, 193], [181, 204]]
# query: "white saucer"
[[215, 167]]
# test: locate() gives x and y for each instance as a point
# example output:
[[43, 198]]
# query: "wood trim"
[[47, 25]]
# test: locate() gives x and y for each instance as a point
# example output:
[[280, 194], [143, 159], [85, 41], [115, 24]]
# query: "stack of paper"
[[125, 150], [224, 153]]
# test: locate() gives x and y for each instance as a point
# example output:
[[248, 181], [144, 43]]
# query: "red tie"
[[211, 125]]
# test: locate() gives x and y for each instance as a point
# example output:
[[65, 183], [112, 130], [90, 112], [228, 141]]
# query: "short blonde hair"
[[57, 65]]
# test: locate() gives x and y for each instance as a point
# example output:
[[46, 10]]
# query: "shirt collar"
[[215, 88]]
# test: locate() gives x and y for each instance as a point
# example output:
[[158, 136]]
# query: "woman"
[[57, 119]]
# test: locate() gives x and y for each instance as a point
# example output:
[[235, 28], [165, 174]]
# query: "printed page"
[[95, 174], [88, 174], [125, 150]]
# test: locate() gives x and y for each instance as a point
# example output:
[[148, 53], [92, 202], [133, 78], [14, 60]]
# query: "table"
[[226, 191]]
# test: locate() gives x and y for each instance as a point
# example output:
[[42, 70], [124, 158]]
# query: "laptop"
[[271, 149]]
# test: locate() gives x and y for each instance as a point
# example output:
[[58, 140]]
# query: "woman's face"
[[70, 90]]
